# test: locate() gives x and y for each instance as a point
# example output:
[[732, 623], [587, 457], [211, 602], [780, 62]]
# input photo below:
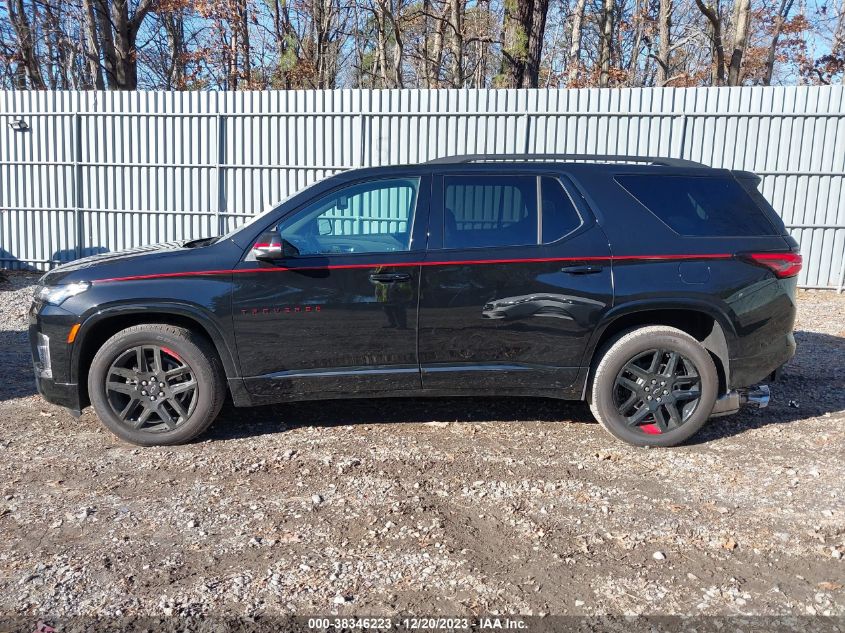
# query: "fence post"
[[362, 125], [683, 135], [79, 229], [527, 146], [221, 175]]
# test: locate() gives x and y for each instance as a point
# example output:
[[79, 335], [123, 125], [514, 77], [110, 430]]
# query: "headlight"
[[57, 295]]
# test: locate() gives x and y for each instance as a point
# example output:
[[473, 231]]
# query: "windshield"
[[254, 219]]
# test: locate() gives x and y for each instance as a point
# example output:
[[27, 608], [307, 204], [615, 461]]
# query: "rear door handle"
[[581, 269], [390, 278]]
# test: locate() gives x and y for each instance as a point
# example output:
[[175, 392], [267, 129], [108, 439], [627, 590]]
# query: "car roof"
[[567, 158], [537, 162]]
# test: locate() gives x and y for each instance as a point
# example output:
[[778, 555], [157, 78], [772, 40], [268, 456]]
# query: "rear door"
[[516, 277]]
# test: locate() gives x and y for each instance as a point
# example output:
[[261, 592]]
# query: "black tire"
[[186, 364], [622, 377]]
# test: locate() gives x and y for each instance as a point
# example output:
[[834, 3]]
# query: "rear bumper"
[[763, 322], [752, 370], [62, 394]]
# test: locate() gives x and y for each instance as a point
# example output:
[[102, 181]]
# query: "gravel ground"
[[427, 507]]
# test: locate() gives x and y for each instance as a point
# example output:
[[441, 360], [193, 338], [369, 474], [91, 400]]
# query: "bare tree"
[[664, 36], [242, 29], [456, 41], [605, 42], [573, 60], [637, 37], [536, 37], [174, 26], [381, 44], [714, 18], [741, 23], [104, 23], [92, 45], [483, 36], [523, 32], [118, 30], [388, 56], [243, 44], [433, 41], [285, 43], [777, 28], [839, 36], [322, 46], [26, 49], [398, 43]]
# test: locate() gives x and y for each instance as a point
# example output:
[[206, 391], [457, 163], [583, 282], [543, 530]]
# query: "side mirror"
[[271, 247]]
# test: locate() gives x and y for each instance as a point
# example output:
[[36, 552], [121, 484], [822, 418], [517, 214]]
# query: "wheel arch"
[[704, 322], [104, 324]]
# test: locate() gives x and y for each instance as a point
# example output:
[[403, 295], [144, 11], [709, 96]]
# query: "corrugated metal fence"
[[101, 171]]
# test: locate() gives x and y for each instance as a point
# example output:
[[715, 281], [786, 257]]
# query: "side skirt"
[[274, 389]]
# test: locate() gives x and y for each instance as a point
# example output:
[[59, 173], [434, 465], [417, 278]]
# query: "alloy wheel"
[[151, 388], [657, 391]]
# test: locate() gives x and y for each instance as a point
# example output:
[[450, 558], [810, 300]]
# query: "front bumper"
[[62, 394], [51, 353]]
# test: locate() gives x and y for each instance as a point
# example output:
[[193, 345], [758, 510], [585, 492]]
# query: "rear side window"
[[699, 206], [490, 211]]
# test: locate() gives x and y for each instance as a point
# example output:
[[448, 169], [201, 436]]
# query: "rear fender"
[[718, 341]]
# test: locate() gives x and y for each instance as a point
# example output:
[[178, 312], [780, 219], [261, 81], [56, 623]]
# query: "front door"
[[341, 316], [516, 279]]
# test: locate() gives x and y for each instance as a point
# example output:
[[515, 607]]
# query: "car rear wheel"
[[654, 386], [156, 384]]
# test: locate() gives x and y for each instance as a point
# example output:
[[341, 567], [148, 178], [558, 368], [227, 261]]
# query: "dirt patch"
[[460, 506]]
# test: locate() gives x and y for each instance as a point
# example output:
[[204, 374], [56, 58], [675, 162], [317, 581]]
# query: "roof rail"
[[602, 158]]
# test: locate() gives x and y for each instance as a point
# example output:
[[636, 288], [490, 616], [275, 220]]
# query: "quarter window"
[[371, 217], [559, 215], [490, 211]]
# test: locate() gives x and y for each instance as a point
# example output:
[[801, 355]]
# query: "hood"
[[143, 260]]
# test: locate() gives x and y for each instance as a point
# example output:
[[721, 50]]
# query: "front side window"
[[370, 217], [489, 211]]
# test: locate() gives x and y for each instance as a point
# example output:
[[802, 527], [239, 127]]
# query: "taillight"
[[781, 264]]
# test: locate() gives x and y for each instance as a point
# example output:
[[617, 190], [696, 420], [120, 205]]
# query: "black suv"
[[659, 290]]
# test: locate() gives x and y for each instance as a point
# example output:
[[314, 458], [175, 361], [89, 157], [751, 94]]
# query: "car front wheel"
[[156, 384], [654, 386]]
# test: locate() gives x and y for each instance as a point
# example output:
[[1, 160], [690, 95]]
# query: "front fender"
[[158, 309]]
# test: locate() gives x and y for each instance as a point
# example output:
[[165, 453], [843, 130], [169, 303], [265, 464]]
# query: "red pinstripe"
[[465, 262]]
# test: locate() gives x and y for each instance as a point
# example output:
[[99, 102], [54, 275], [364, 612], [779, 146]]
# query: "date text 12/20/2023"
[[418, 623]]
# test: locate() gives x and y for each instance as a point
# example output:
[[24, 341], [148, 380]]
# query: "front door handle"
[[581, 269], [390, 278]]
